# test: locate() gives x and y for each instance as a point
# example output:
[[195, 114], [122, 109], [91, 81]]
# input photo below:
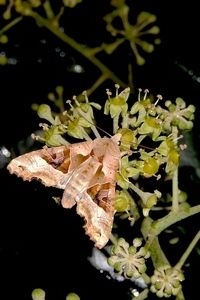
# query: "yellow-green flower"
[[171, 154], [128, 139], [150, 167], [151, 126], [126, 171], [117, 105]]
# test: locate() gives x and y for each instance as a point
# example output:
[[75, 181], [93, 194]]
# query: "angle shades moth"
[[86, 172]]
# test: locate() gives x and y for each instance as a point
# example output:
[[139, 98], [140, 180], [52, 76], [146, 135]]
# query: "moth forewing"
[[87, 173], [79, 181], [32, 166], [98, 222], [93, 188]]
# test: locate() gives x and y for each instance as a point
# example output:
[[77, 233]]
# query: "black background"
[[41, 244]]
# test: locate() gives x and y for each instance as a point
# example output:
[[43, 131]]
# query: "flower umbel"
[[128, 260], [166, 281], [135, 34]]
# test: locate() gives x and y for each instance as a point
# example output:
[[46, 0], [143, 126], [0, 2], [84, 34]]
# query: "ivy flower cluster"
[[145, 120], [128, 260], [166, 281], [134, 34], [138, 123]]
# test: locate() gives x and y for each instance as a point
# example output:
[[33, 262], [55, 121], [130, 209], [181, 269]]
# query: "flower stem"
[[152, 229], [78, 47], [175, 205], [97, 83], [113, 239], [11, 24], [48, 10], [188, 251]]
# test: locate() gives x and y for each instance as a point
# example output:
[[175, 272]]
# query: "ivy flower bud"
[[44, 112], [3, 39], [150, 167], [72, 296], [128, 139], [3, 59], [38, 294], [122, 201], [71, 4]]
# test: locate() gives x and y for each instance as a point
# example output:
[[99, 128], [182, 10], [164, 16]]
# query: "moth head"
[[117, 137]]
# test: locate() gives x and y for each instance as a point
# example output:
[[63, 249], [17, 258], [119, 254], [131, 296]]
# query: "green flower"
[[122, 201], [116, 106], [81, 117], [150, 167], [52, 135], [171, 155], [148, 200], [78, 127], [143, 108], [77, 122], [82, 107], [139, 108], [128, 139], [151, 126], [127, 171], [176, 115]]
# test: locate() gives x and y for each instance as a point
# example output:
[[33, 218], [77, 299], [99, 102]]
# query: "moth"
[[86, 172]]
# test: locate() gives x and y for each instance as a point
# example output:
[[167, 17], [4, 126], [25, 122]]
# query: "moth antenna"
[[101, 129], [146, 147], [104, 131]]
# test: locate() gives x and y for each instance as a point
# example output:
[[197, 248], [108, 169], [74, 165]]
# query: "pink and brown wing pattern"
[[86, 172]]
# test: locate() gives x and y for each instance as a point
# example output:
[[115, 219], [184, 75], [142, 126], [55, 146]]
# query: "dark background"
[[41, 244]]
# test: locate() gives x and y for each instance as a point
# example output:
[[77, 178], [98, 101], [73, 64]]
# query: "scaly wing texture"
[[86, 171]]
